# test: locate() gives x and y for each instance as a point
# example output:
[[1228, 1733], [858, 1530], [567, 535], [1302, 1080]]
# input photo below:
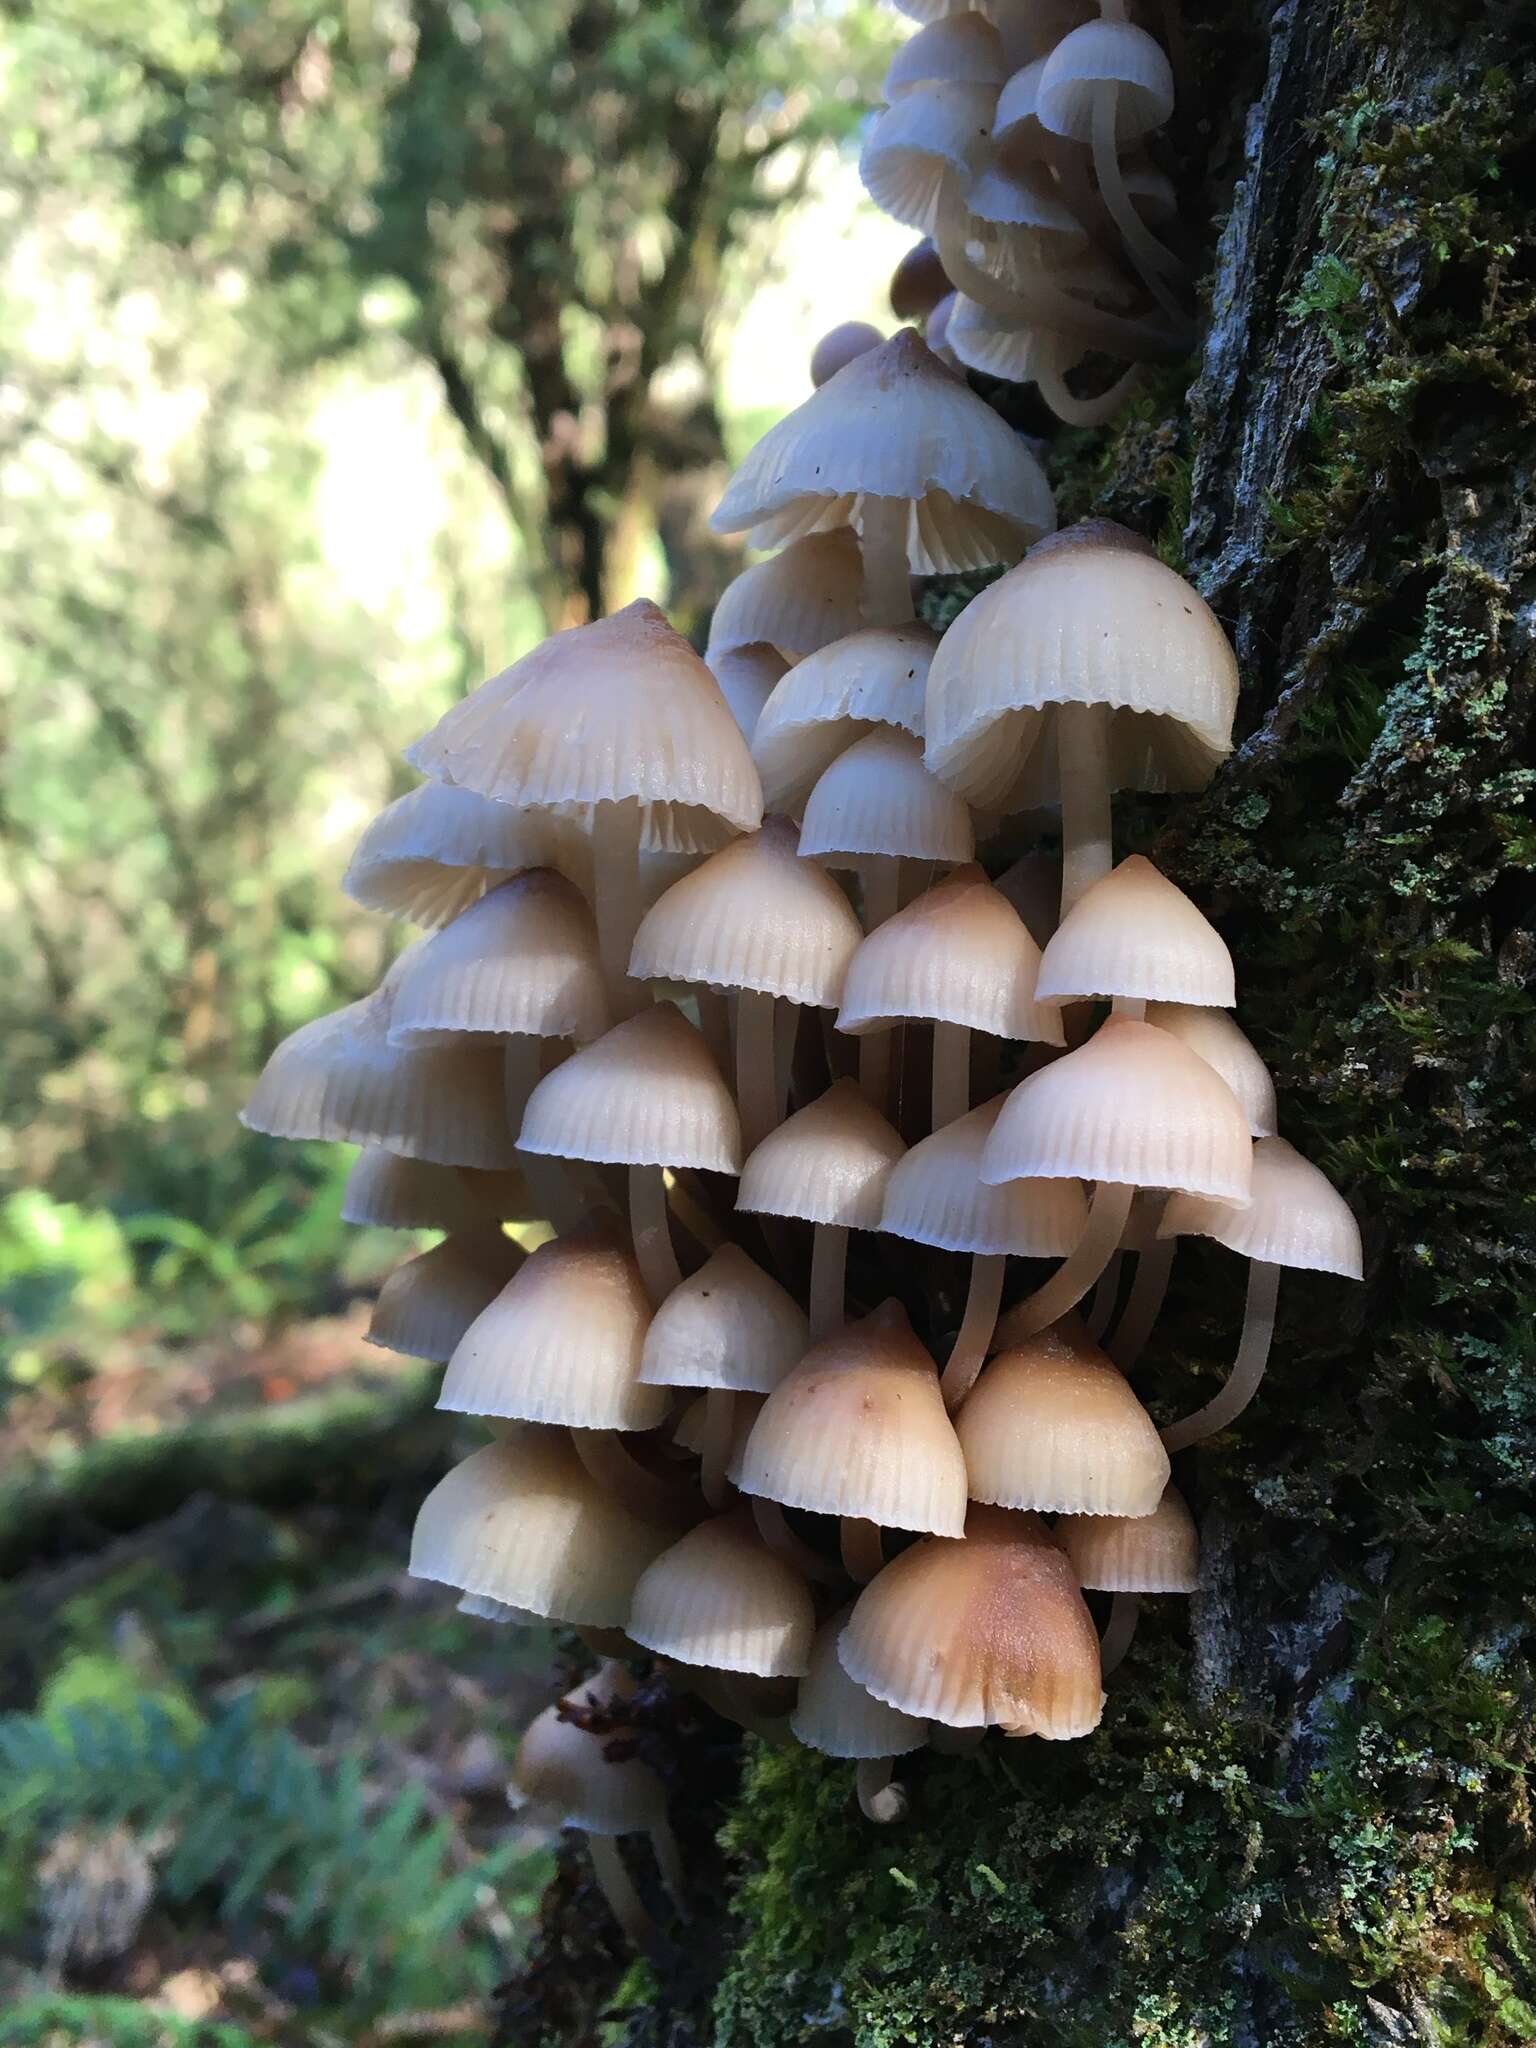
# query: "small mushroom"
[[839, 1718], [747, 676], [838, 347], [720, 1598], [797, 601], [387, 1192], [918, 283], [1135, 938], [436, 850], [1156, 1553], [426, 1305], [850, 687]]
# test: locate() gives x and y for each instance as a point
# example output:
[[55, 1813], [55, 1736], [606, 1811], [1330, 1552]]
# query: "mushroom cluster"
[[820, 1392]]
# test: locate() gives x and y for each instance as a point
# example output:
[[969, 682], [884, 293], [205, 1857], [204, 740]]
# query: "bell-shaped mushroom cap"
[[647, 1093], [730, 1326], [988, 1629], [895, 424], [387, 1192], [859, 1428], [838, 1717], [1033, 886], [432, 852], [875, 677], [838, 347], [827, 1163], [341, 1078], [1100, 54], [878, 798], [720, 1597], [1219, 1042], [1092, 617], [959, 49], [918, 283], [523, 961], [959, 954], [796, 601], [1156, 1553], [1016, 121], [1132, 1106], [747, 676], [1054, 1425], [561, 1342], [753, 916], [926, 137], [1294, 1217], [934, 1197], [999, 348], [621, 708], [1136, 934], [565, 1770], [521, 1522], [426, 1305], [689, 1434], [1023, 198]]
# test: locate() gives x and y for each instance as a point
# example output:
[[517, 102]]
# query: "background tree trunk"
[[1306, 1817]]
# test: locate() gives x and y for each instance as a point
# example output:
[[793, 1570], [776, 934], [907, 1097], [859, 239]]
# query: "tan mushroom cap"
[[859, 1428], [747, 677], [958, 954], [1222, 1045], [1135, 933], [521, 1522], [340, 1077], [1101, 53], [938, 131], [426, 1305], [565, 1771], [1090, 617], [796, 601], [436, 850], [1295, 1216], [1054, 1426], [895, 424], [1156, 1553], [878, 676], [986, 1630], [647, 1093], [730, 1325], [828, 1163], [720, 1597], [561, 1342], [1132, 1106], [934, 1196], [621, 708], [387, 1192], [958, 49], [877, 798], [523, 962], [754, 916], [834, 1715]]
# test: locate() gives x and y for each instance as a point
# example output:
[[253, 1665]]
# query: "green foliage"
[[54, 2020]]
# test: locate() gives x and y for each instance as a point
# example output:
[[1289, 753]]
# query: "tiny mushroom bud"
[[918, 283], [1156, 1553], [838, 347], [838, 1717]]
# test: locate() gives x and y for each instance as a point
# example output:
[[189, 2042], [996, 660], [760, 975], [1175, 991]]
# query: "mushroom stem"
[[1077, 1272], [719, 1414], [1105, 1295], [1141, 1311], [715, 1023], [880, 875], [829, 1268], [1118, 1631], [669, 1860], [522, 1070], [778, 1535], [755, 1066], [786, 1033], [863, 1552], [729, 1693], [879, 1799], [976, 1327], [618, 1888], [1084, 412], [1247, 1368], [951, 1073], [652, 1232], [1087, 829], [617, 1471], [1151, 259], [875, 1069], [616, 868], [887, 599]]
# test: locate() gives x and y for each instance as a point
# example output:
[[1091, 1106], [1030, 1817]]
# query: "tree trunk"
[[1306, 1816]]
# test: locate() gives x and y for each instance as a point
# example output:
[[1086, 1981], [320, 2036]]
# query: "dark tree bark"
[[1306, 1817]]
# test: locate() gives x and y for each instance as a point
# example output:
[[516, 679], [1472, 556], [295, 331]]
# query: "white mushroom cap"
[[1136, 934], [983, 342], [878, 676], [427, 1304], [827, 1163], [720, 1597], [878, 798], [1216, 1037], [747, 676], [1295, 1216], [729, 1326], [934, 1196], [835, 1715], [958, 49], [386, 1192], [647, 1093], [565, 1771], [1103, 54], [930, 136], [432, 852], [796, 601]]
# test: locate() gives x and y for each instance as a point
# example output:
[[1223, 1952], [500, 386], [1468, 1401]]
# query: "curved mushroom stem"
[[652, 1232], [976, 1328], [719, 1414], [715, 1023], [669, 1860], [618, 1888], [1247, 1368], [1084, 412], [1087, 829], [1141, 1311], [879, 1799], [755, 1066], [1077, 1272], [863, 1552], [883, 522], [778, 1535], [617, 1471], [616, 867], [1118, 1631], [1105, 1295], [1151, 259], [951, 1073], [829, 1267]]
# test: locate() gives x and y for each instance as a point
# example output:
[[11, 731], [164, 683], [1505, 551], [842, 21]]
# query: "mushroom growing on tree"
[[835, 696], [835, 1715], [426, 1305]]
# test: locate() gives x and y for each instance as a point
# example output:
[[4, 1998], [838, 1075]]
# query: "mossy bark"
[[1306, 1818]]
